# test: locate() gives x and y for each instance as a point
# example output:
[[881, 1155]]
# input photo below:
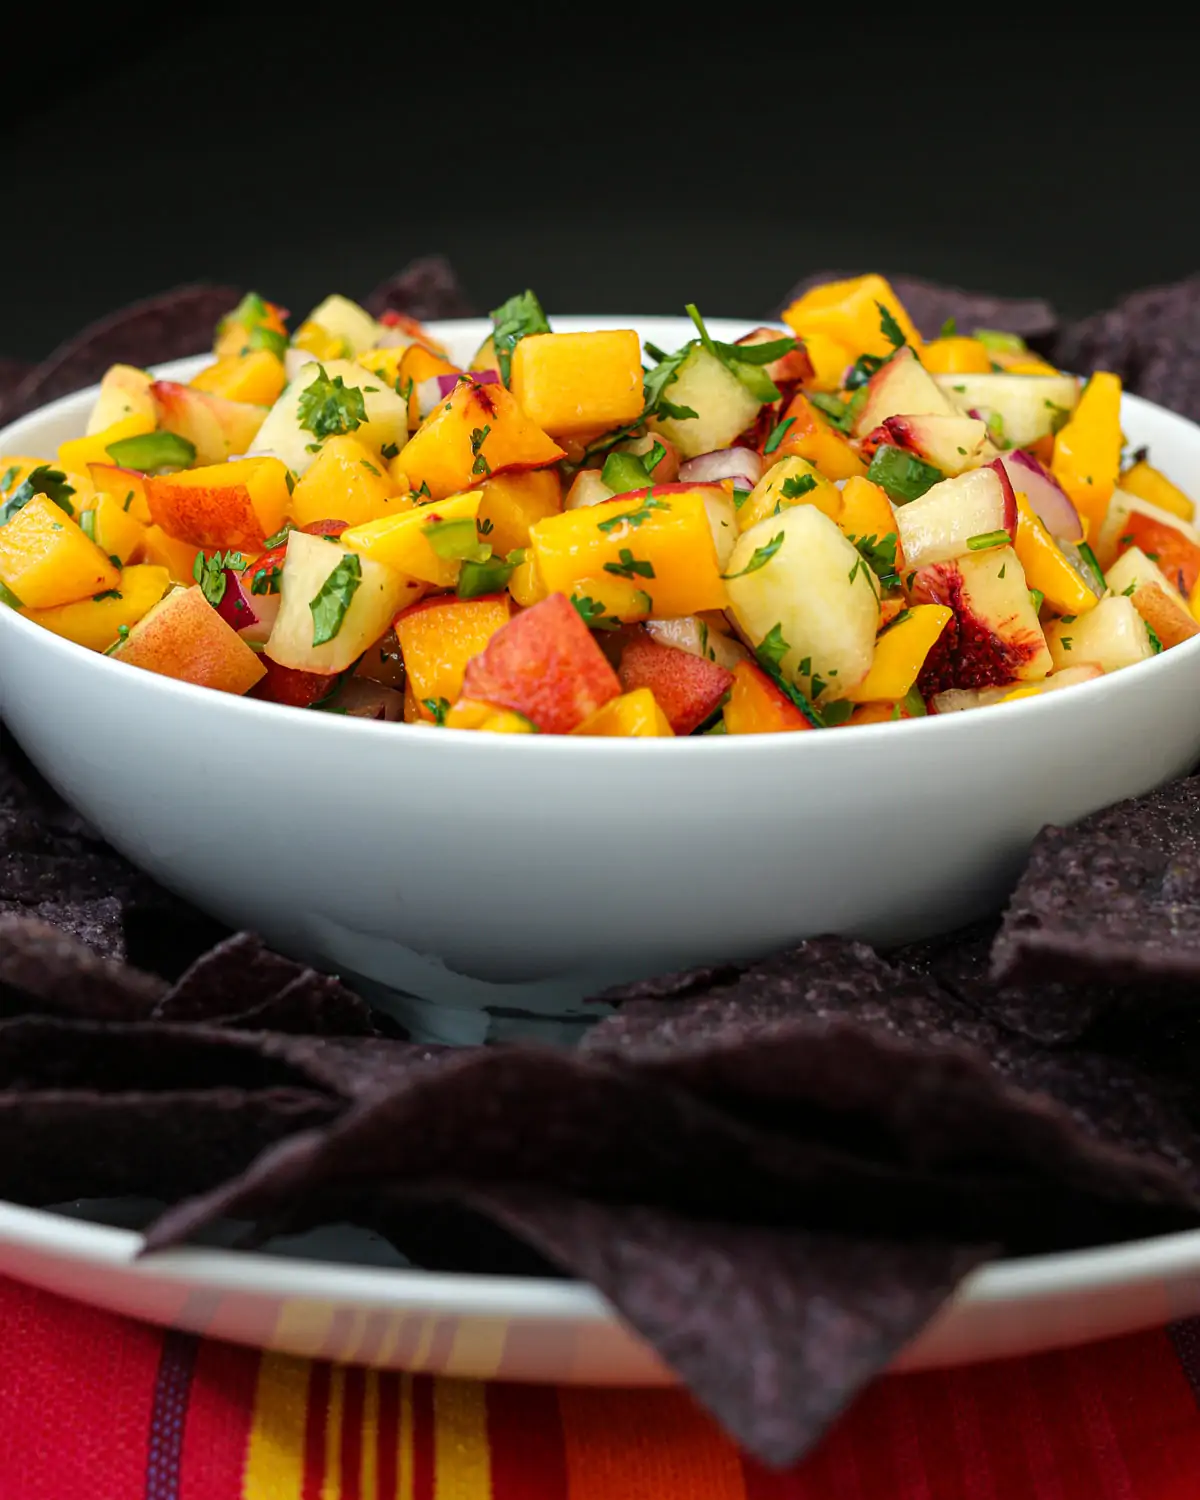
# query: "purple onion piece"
[[1046, 496], [742, 465], [251, 615]]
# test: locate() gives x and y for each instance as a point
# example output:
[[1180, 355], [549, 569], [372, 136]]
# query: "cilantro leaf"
[[772, 648], [796, 486], [593, 613], [266, 581], [209, 573], [1156, 644], [629, 566], [778, 433], [890, 329], [739, 360], [949, 329], [331, 601], [835, 411], [438, 708], [511, 322], [880, 556], [861, 371], [280, 536], [760, 557], [634, 518], [330, 408], [44, 480]]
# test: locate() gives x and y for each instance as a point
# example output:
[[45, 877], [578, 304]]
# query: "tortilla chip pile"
[[776, 1172]]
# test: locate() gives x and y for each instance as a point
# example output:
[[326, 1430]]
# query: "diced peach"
[[345, 480], [1046, 569], [575, 382], [525, 585], [78, 453], [1175, 553], [126, 486], [514, 502], [879, 713], [469, 713], [866, 512], [419, 364], [1087, 450], [402, 541], [257, 378], [274, 557], [545, 665], [185, 638], [1165, 614], [811, 436], [605, 598], [216, 428], [757, 706], [848, 311], [658, 539], [795, 481], [900, 654], [96, 623], [1149, 483], [634, 715], [440, 636], [221, 505], [118, 534], [124, 392], [957, 356], [479, 430], [179, 558], [287, 686], [47, 560], [687, 688]]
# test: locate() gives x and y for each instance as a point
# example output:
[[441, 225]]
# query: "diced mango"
[[525, 585], [1149, 483], [78, 453], [257, 377], [848, 311], [512, 503], [401, 541], [118, 534], [418, 364], [318, 341], [605, 598], [96, 623], [1046, 569], [830, 361], [808, 434], [126, 486], [795, 481], [570, 383], [185, 638], [47, 560], [479, 430], [440, 636], [345, 482], [1087, 450], [900, 654], [469, 713], [757, 706], [659, 540], [866, 513], [957, 356], [179, 558], [633, 715]]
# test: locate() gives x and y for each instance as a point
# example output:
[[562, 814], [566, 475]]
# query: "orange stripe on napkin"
[[642, 1445]]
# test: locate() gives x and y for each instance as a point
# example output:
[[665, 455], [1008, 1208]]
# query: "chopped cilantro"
[[796, 486], [478, 438], [949, 329], [879, 554], [370, 467], [8, 597], [745, 361], [153, 450], [772, 648], [266, 581], [511, 322], [1037, 599], [896, 620], [1093, 567], [592, 613], [389, 451], [834, 714], [331, 601], [835, 411], [438, 709], [288, 478], [634, 518], [778, 433], [985, 540], [890, 329], [652, 459], [330, 408], [629, 566], [760, 557], [9, 477], [1154, 640], [861, 371], [43, 480], [209, 573], [280, 536], [1003, 570], [485, 527], [1065, 642], [740, 497], [1126, 593], [421, 492], [903, 476], [107, 594]]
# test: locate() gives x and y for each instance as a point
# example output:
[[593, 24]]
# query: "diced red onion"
[[429, 393], [742, 465], [251, 615], [295, 359], [446, 383], [359, 698], [393, 337], [1044, 493]]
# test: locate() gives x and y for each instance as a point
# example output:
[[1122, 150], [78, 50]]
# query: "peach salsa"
[[843, 523]]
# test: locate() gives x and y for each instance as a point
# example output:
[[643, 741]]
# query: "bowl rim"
[[581, 746]]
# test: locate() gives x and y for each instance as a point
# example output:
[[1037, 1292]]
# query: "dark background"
[[613, 164]]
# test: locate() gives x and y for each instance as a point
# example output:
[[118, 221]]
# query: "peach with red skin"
[[217, 428], [1176, 554], [973, 651], [289, 687], [185, 638], [687, 688], [273, 558], [545, 665]]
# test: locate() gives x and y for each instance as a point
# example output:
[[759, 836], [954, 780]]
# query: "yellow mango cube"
[[577, 382], [96, 623], [660, 541], [632, 715], [1087, 450], [114, 530], [402, 541], [900, 654], [79, 452], [607, 598], [512, 503], [866, 512], [830, 361], [478, 431], [957, 355], [525, 585], [179, 558], [848, 311], [319, 342], [1149, 483], [257, 378], [795, 481], [345, 482], [46, 560], [1046, 569]]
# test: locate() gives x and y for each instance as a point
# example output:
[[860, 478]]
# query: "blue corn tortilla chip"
[[773, 1330], [1113, 900], [42, 968], [427, 288]]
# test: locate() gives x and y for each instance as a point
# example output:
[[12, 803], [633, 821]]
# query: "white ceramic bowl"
[[499, 879]]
